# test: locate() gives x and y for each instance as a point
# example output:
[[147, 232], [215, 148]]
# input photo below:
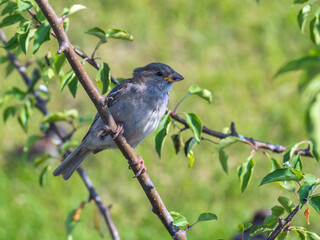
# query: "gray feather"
[[72, 162]]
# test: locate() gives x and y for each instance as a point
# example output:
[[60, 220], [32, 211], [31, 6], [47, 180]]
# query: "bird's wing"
[[117, 91]]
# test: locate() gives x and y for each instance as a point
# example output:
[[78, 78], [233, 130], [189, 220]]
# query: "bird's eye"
[[160, 74]]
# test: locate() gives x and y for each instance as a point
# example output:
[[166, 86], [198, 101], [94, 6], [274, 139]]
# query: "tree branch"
[[41, 105], [144, 180], [283, 224], [257, 144]]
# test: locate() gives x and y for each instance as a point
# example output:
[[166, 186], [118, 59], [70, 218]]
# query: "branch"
[[257, 144], [41, 105], [283, 224], [134, 162]]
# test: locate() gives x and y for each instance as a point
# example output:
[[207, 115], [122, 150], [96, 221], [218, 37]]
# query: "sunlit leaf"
[[11, 19], [73, 86], [54, 117], [162, 132], [207, 217], [277, 211], [67, 78], [180, 221], [304, 192], [44, 175], [225, 142], [303, 16], [24, 5], [223, 158], [245, 173], [203, 93], [119, 34], [286, 203], [41, 35], [283, 174], [103, 75], [99, 33], [76, 8], [191, 158], [315, 203], [195, 125], [257, 230], [189, 145], [9, 111]]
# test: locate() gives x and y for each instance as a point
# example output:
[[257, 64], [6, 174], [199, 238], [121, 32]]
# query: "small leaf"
[[313, 150], [99, 33], [42, 159], [223, 158], [283, 235], [12, 43], [245, 173], [203, 93], [70, 224], [225, 142], [299, 1], [67, 78], [162, 133], [9, 111], [73, 86], [189, 145], [304, 192], [176, 139], [44, 175], [257, 230], [180, 221], [174, 214], [119, 34], [9, 8], [12, 19], [191, 158], [283, 174], [24, 5], [314, 31], [195, 125], [54, 117], [303, 16], [76, 8], [274, 164], [41, 35], [296, 162], [24, 118], [271, 221], [307, 215], [104, 76], [59, 60], [47, 74], [277, 211], [310, 179], [240, 228], [315, 203], [312, 236], [207, 217], [286, 203], [247, 226]]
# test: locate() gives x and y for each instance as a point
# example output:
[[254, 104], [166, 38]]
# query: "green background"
[[232, 48]]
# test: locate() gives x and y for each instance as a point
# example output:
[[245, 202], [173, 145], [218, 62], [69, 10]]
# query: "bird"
[[137, 105]]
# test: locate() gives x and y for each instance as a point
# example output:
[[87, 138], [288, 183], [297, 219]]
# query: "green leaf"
[[24, 118], [180, 221], [315, 203], [162, 133], [47, 74], [257, 230], [245, 173], [274, 164], [313, 150], [191, 158], [189, 145], [304, 192], [99, 33], [271, 221], [283, 235], [207, 217], [194, 124], [59, 60], [9, 111], [73, 86], [16, 93], [277, 211], [9, 8], [12, 19], [70, 224], [76, 8], [299, 64], [174, 214], [12, 43], [67, 78], [119, 34], [203, 93], [40, 16], [44, 175], [24, 5], [225, 142], [303, 16], [42, 159], [223, 158], [299, 1], [104, 76], [240, 228], [176, 139], [312, 236], [72, 114], [29, 143], [247, 226], [24, 40], [283, 174], [314, 31], [310, 179], [296, 162], [301, 233], [41, 35], [286, 203], [3, 59], [54, 117]]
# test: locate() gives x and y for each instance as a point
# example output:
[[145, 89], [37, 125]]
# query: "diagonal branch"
[[283, 223], [144, 180], [41, 105]]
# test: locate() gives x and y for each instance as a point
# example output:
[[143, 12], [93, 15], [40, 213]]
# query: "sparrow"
[[137, 105]]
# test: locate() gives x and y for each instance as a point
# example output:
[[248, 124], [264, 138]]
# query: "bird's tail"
[[72, 162]]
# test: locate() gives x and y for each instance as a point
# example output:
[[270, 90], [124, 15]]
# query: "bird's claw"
[[119, 130], [105, 130], [142, 169]]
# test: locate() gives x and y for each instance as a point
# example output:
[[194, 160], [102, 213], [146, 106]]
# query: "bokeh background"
[[232, 48]]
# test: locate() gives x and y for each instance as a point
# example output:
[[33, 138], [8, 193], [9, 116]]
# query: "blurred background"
[[229, 47]]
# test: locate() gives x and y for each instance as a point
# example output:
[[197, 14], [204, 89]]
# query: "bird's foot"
[[106, 130], [142, 169]]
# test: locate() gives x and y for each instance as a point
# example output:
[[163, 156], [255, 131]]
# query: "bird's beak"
[[175, 77]]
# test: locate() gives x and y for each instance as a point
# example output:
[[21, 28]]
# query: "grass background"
[[231, 48]]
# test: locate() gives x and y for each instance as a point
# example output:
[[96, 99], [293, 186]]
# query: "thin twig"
[[129, 154], [41, 105], [257, 144], [283, 224]]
